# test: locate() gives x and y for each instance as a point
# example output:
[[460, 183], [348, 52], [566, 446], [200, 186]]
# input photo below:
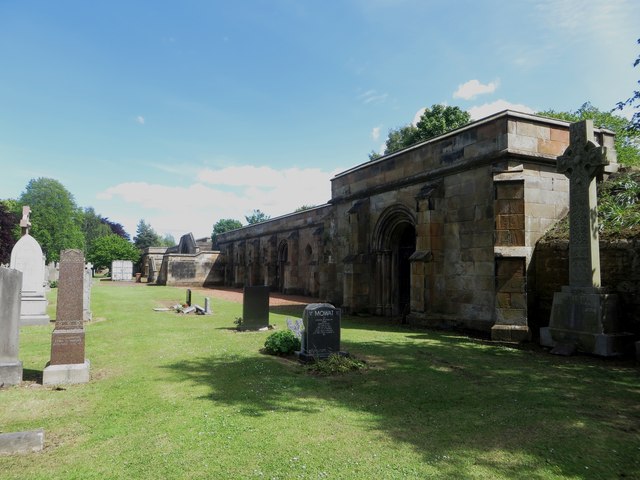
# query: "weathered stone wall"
[[190, 269], [283, 253], [620, 274]]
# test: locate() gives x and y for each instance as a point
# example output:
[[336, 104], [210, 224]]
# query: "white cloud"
[[231, 192], [473, 88], [418, 116], [487, 109], [140, 119], [375, 133], [372, 96]]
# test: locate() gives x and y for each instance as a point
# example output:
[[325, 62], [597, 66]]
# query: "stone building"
[[440, 234]]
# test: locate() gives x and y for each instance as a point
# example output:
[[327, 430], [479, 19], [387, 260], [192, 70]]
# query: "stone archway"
[[394, 243], [283, 259]]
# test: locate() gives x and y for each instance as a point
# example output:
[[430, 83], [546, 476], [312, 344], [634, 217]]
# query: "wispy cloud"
[[140, 119], [487, 109], [372, 96], [473, 88], [231, 192], [375, 133]]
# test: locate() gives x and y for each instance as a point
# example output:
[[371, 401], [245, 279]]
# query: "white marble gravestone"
[[27, 257], [86, 292]]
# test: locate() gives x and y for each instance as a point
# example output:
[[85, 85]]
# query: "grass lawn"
[[175, 396]]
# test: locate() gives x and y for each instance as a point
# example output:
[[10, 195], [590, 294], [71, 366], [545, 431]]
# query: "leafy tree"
[[438, 120], [111, 247], [146, 236], [167, 241], [256, 217], [627, 141], [55, 219], [633, 100], [116, 228], [303, 208], [221, 226], [8, 221], [93, 227]]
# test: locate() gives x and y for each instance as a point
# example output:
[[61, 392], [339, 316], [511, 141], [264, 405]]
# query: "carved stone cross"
[[581, 162], [25, 223]]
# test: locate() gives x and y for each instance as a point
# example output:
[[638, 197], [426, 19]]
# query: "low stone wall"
[[198, 269], [620, 272]]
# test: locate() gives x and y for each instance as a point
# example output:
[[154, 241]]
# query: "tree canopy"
[[56, 221], [257, 216], [111, 247], [221, 226], [633, 101], [8, 221], [437, 120], [146, 236], [627, 141]]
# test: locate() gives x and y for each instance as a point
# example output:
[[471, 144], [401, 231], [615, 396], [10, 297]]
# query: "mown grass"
[[176, 396]]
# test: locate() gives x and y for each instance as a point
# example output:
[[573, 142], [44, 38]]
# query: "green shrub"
[[53, 284], [336, 364], [282, 342]]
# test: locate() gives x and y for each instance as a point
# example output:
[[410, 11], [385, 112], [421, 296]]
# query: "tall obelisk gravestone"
[[583, 315], [68, 363]]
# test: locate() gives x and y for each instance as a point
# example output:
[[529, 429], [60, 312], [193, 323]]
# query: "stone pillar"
[[68, 363], [583, 315], [10, 366]]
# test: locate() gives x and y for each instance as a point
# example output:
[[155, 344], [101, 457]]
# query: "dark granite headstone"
[[188, 300], [255, 308], [67, 339], [321, 335]]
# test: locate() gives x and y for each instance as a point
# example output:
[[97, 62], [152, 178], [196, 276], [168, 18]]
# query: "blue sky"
[[182, 113]]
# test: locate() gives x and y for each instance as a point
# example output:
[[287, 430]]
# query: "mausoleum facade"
[[441, 234]]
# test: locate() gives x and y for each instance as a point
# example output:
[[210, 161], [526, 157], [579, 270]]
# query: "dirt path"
[[235, 295]]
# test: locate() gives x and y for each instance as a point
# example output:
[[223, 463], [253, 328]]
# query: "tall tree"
[[257, 216], [633, 101], [627, 141], [437, 120], [221, 226], [93, 227], [8, 221], [116, 228], [146, 236], [55, 219], [111, 247]]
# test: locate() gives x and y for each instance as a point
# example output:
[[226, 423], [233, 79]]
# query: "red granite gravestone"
[[67, 339]]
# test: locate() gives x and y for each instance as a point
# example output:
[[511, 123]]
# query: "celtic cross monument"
[[583, 315]]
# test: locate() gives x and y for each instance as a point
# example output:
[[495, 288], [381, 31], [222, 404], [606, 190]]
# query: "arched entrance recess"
[[283, 259], [394, 242]]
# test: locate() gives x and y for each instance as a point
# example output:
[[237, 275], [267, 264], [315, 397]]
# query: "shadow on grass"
[[452, 398]]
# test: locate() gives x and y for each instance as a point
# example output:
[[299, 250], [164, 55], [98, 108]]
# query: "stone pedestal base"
[[510, 333], [33, 310], [585, 319], [10, 373], [66, 374]]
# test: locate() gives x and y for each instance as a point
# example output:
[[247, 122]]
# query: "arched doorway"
[[283, 259], [395, 242]]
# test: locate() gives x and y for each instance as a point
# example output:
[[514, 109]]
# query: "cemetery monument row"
[[583, 315], [27, 257], [68, 363]]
